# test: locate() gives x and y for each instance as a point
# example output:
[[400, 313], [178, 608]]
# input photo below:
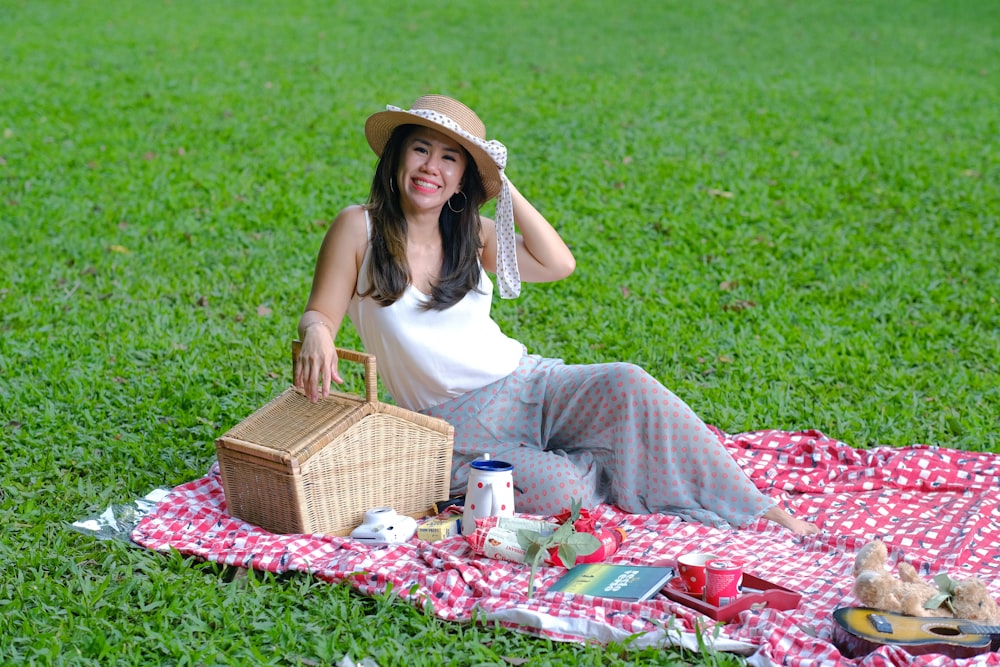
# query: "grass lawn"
[[787, 211]]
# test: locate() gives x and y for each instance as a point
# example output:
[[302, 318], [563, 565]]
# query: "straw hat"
[[455, 120], [449, 117]]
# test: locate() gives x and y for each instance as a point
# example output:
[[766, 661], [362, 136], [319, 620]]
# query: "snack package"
[[439, 528], [496, 536]]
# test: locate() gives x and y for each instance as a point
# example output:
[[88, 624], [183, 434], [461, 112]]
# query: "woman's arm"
[[334, 282], [542, 255]]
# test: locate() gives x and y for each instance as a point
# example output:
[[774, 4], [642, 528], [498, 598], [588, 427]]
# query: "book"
[[614, 580]]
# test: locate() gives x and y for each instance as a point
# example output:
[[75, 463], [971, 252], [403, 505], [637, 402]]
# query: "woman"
[[410, 268]]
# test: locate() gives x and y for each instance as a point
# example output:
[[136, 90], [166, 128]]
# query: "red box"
[[771, 595]]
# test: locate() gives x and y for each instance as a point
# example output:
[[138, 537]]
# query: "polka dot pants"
[[599, 433]]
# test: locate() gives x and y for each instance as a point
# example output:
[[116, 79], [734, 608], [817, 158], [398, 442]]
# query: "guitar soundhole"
[[944, 631]]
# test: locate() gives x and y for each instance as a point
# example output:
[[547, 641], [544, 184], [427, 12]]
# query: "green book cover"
[[614, 580]]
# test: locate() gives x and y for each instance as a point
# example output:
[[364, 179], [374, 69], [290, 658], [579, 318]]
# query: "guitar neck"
[[971, 628]]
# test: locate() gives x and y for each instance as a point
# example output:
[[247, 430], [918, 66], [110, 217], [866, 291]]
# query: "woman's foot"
[[797, 526]]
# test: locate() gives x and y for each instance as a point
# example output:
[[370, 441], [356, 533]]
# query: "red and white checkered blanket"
[[935, 508]]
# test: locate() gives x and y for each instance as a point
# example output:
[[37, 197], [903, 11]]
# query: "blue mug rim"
[[492, 466]]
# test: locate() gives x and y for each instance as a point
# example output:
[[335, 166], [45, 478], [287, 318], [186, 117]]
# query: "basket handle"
[[371, 377]]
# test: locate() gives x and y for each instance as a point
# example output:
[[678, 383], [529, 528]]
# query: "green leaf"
[[936, 600], [567, 554], [561, 533], [945, 583], [584, 543], [528, 538]]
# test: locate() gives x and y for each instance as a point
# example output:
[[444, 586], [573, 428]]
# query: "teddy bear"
[[908, 594]]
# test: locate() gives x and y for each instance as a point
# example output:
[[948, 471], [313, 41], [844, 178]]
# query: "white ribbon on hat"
[[508, 276]]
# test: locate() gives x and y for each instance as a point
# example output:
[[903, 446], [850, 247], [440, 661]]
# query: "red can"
[[723, 581], [611, 539]]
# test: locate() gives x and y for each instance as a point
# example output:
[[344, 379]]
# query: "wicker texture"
[[300, 467]]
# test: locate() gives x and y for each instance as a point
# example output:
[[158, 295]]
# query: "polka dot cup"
[[691, 568], [490, 492]]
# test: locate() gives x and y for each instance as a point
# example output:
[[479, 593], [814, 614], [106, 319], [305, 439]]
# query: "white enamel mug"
[[490, 492]]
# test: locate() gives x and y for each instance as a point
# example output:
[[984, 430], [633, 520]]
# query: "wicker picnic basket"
[[300, 467]]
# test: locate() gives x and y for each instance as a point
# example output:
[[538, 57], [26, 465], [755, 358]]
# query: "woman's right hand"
[[316, 365]]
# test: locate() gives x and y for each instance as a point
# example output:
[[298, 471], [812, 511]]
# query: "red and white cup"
[[692, 570], [723, 581]]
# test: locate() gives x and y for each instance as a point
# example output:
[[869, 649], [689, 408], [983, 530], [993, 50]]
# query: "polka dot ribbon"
[[508, 277]]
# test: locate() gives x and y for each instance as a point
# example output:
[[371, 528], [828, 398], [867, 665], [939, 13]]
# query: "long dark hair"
[[388, 270]]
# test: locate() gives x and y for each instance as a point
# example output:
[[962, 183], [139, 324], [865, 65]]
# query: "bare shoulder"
[[338, 264], [349, 230], [351, 221]]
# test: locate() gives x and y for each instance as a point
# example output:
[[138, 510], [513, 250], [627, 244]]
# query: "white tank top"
[[427, 357]]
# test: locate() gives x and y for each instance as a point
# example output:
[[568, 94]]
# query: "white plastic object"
[[382, 525]]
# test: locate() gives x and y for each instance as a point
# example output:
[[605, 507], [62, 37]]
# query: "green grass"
[[787, 211]]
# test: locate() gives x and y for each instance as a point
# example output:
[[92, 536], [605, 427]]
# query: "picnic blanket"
[[936, 508]]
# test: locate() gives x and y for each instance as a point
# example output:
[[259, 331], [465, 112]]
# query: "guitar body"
[[861, 630]]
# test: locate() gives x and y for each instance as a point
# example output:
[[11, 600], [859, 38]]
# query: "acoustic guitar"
[[860, 630]]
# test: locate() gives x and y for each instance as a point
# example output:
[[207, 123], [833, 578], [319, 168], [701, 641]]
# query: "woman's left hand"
[[542, 255]]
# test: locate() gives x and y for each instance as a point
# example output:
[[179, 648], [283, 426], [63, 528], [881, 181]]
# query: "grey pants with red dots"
[[599, 433]]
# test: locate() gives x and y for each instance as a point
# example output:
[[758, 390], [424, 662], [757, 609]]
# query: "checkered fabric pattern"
[[935, 508]]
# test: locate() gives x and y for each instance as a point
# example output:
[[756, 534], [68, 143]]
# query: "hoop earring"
[[392, 187], [465, 199]]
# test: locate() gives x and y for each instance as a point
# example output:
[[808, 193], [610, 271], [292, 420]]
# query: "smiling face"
[[430, 170]]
